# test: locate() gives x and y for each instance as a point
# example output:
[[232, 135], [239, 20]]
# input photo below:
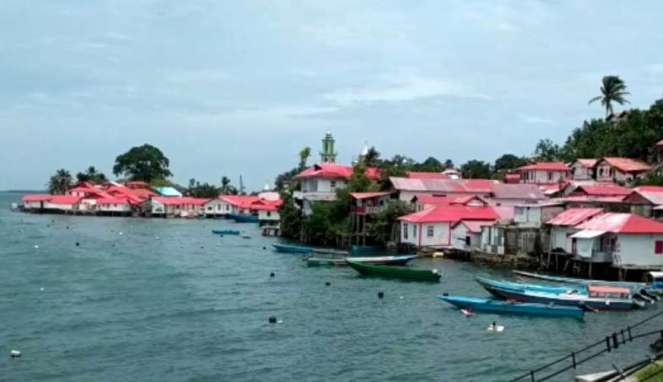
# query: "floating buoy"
[[495, 328], [156, 237], [272, 319], [15, 354], [67, 227], [271, 274], [36, 246], [41, 289], [121, 233], [264, 248], [327, 283], [202, 246], [77, 244], [380, 294]]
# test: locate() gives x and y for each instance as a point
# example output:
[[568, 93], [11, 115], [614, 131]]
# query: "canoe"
[[377, 260], [392, 272], [494, 306], [580, 300], [635, 287], [488, 284], [225, 232], [285, 248], [243, 218]]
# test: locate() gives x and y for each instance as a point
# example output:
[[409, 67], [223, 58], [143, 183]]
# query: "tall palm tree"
[[613, 90], [225, 185], [303, 156], [59, 183], [372, 157]]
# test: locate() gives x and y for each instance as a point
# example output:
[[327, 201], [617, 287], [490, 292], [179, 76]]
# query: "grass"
[[652, 373]]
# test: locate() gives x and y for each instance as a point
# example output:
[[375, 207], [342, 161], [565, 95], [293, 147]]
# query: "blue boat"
[[597, 298], [489, 284], [285, 248], [225, 232], [243, 218], [495, 306], [653, 288], [364, 250]]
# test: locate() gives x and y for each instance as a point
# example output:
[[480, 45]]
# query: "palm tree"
[[59, 183], [303, 156], [613, 90], [372, 157], [226, 188]]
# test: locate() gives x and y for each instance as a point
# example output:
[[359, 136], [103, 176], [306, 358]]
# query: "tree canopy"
[[145, 163], [476, 169], [509, 162], [91, 175], [59, 183]]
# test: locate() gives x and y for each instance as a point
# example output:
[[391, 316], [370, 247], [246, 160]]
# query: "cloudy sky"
[[239, 87]]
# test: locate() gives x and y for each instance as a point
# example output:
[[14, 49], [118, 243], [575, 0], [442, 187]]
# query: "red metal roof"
[[574, 216], [457, 186], [474, 226], [427, 175], [327, 170], [184, 200], [64, 199], [368, 195], [660, 143], [588, 163], [527, 192], [602, 190], [546, 166], [241, 201], [266, 205], [448, 200], [626, 164], [622, 223], [450, 214], [36, 198]]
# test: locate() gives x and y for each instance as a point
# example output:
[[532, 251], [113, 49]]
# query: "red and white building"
[[408, 188], [625, 241], [646, 201], [544, 173], [620, 170], [564, 225], [584, 169], [51, 203], [164, 206], [370, 203], [433, 227], [423, 202]]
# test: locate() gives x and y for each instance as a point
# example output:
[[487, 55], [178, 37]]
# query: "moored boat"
[[633, 286], [286, 248], [495, 306], [243, 218], [394, 272], [488, 284], [377, 260], [225, 232], [597, 298]]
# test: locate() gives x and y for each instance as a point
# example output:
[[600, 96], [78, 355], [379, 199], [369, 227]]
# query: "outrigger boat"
[[392, 272], [285, 248], [225, 232], [649, 290], [597, 298], [377, 260], [493, 306]]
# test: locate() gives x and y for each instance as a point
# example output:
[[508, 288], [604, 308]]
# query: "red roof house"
[[544, 173], [621, 170]]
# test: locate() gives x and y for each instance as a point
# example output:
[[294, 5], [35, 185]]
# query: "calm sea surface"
[[165, 300]]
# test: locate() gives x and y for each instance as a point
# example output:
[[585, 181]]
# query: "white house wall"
[[417, 234], [637, 250]]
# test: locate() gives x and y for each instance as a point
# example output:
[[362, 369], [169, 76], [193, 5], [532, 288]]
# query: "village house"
[[422, 202], [177, 206], [646, 201], [535, 215], [544, 173], [365, 206], [113, 206], [620, 170], [584, 169], [237, 204], [600, 191], [408, 188], [563, 226], [432, 227], [268, 211], [466, 234], [514, 194], [624, 241]]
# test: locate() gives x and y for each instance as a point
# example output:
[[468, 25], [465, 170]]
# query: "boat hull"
[[492, 306], [488, 284], [225, 232], [377, 260], [284, 248], [243, 218], [565, 300], [392, 272]]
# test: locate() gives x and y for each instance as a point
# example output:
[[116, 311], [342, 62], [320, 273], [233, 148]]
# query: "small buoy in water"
[[41, 289], [67, 227], [156, 237], [380, 294], [272, 319], [121, 233], [495, 328], [327, 283], [15, 354], [36, 246], [271, 274], [202, 246], [264, 248], [77, 244]]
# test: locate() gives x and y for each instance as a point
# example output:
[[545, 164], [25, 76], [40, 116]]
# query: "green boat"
[[392, 272]]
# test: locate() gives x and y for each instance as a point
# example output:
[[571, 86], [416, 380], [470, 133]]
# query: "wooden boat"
[[286, 248], [495, 306], [634, 287], [392, 272], [243, 218], [597, 298], [225, 232], [488, 284], [377, 260], [364, 250]]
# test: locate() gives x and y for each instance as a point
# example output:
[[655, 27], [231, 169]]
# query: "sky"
[[240, 87]]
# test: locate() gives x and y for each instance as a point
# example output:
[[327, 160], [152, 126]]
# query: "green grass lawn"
[[652, 373]]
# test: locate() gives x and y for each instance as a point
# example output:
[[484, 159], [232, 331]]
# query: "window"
[[550, 176], [269, 213], [468, 241], [405, 230], [333, 184], [414, 231], [658, 247], [430, 231]]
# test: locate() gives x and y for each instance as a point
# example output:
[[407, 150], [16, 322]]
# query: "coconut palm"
[[303, 156], [59, 183], [226, 188], [372, 157], [613, 90]]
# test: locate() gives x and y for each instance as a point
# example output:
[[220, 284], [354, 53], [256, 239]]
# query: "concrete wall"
[[637, 250], [459, 235], [322, 185], [542, 176], [581, 172], [269, 216], [492, 240], [418, 234]]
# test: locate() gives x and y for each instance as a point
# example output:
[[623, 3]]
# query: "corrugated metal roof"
[[546, 166], [652, 193], [529, 192], [588, 163], [626, 164], [574, 216], [602, 190], [368, 195], [448, 200], [469, 186], [451, 214], [167, 191], [622, 223], [426, 175], [330, 170]]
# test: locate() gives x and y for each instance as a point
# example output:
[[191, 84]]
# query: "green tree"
[[145, 163], [91, 175], [547, 151], [509, 162], [291, 217], [429, 165], [449, 164], [304, 155], [613, 90], [385, 222], [59, 183], [651, 179], [476, 169], [203, 190], [372, 158]]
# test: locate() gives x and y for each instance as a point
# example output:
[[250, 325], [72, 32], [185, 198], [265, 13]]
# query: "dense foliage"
[[59, 183], [91, 175], [145, 163]]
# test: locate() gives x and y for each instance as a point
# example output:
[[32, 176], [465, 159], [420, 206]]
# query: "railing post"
[[573, 358], [531, 373], [630, 336], [607, 343], [615, 342]]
